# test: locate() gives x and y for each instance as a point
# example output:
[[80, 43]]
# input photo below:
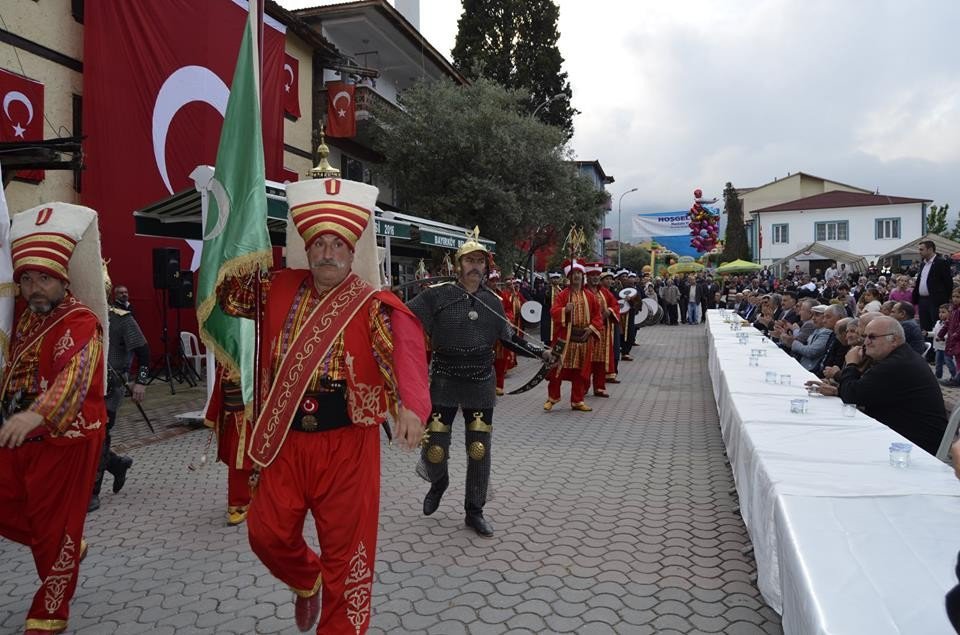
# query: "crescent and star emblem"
[[184, 86], [289, 71], [16, 96], [340, 111]]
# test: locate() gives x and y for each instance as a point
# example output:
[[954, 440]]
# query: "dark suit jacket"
[[902, 393], [939, 282]]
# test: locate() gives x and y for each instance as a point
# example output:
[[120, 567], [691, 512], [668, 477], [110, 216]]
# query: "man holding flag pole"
[[336, 356]]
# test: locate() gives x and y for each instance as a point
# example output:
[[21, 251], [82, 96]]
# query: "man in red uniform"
[[227, 417], [577, 321], [601, 358], [54, 413], [336, 357], [503, 358]]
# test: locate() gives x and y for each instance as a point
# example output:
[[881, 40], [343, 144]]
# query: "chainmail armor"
[[458, 343]]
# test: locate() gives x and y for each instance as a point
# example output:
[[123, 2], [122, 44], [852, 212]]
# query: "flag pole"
[[258, 301]]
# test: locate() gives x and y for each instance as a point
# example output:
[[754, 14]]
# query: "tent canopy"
[[821, 251], [739, 266], [945, 246]]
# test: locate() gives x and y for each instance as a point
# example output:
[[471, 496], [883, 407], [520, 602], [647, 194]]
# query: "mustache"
[[327, 262]]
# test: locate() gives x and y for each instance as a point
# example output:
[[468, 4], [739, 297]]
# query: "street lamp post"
[[620, 223], [549, 101]]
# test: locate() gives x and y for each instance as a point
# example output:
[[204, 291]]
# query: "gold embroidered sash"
[[303, 356]]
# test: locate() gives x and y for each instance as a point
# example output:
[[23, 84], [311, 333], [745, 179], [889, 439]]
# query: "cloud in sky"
[[680, 95]]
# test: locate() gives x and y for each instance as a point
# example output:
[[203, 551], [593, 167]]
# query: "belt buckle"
[[308, 423]]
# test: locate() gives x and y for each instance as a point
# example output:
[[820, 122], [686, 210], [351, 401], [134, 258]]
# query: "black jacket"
[[902, 393], [939, 282]]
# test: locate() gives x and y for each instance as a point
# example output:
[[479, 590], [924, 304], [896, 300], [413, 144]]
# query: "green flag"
[[235, 238]]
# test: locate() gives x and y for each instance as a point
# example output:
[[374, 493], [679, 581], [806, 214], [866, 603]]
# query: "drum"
[[641, 316], [628, 294], [654, 312], [531, 311], [624, 305]]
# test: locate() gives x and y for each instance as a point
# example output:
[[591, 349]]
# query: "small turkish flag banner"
[[341, 113], [291, 86], [21, 116]]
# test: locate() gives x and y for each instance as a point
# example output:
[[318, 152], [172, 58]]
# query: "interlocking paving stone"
[[616, 521]]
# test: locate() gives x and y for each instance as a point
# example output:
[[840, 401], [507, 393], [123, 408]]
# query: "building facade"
[[867, 225]]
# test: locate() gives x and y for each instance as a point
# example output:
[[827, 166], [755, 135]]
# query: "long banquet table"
[[844, 542]]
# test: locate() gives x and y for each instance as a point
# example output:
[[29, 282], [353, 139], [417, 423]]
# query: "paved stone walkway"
[[618, 521]]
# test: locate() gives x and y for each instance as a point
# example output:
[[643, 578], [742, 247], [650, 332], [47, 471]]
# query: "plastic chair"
[[949, 435], [191, 350]]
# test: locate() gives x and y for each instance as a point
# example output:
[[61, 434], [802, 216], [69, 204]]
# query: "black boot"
[[120, 475], [432, 500], [478, 523]]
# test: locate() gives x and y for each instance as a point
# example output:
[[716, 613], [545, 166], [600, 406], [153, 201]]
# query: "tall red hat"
[[331, 206]]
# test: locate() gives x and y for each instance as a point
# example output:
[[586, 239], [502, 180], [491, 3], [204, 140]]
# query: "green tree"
[[514, 42], [937, 219], [634, 257], [735, 242], [470, 155]]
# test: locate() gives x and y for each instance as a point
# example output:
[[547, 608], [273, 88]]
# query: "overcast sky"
[[695, 93]]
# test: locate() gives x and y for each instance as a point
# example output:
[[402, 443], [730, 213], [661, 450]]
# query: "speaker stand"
[[163, 368]]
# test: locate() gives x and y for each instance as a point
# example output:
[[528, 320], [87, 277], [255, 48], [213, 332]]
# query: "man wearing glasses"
[[898, 389]]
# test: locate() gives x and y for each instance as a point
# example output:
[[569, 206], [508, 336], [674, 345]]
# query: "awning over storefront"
[[179, 216]]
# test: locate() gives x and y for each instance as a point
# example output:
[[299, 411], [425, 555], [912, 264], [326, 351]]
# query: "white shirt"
[[939, 344], [927, 266], [830, 274], [693, 293]]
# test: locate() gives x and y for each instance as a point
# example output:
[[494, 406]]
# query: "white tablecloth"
[[790, 469]]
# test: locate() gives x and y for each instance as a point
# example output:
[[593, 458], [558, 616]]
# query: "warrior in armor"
[[125, 340], [464, 320], [577, 322]]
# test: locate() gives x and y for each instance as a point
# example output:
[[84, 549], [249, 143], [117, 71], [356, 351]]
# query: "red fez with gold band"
[[47, 253], [333, 206]]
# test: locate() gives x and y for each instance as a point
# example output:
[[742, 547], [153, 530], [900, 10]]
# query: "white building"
[[867, 225]]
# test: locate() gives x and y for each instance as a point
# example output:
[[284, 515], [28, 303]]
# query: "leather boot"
[[120, 476], [432, 500]]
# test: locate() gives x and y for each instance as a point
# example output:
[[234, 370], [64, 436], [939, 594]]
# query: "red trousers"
[[599, 370], [238, 487], [44, 492], [228, 446], [579, 384], [335, 475]]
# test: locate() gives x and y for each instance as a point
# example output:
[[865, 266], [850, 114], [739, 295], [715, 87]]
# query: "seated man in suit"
[[903, 313], [898, 388], [819, 341]]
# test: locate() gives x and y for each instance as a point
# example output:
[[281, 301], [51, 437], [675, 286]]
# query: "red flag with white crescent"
[[341, 111], [21, 115], [291, 86]]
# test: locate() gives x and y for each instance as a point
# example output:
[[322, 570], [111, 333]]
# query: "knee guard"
[[479, 433], [435, 447]]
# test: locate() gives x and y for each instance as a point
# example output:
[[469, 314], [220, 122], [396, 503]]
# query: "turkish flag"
[[290, 176], [21, 118], [156, 83], [291, 86], [341, 112]]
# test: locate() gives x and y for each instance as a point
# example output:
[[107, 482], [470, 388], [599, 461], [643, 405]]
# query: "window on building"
[[832, 230], [781, 234], [887, 228]]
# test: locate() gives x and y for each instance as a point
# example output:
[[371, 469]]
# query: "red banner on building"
[[291, 86], [341, 111], [21, 115], [156, 82]]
